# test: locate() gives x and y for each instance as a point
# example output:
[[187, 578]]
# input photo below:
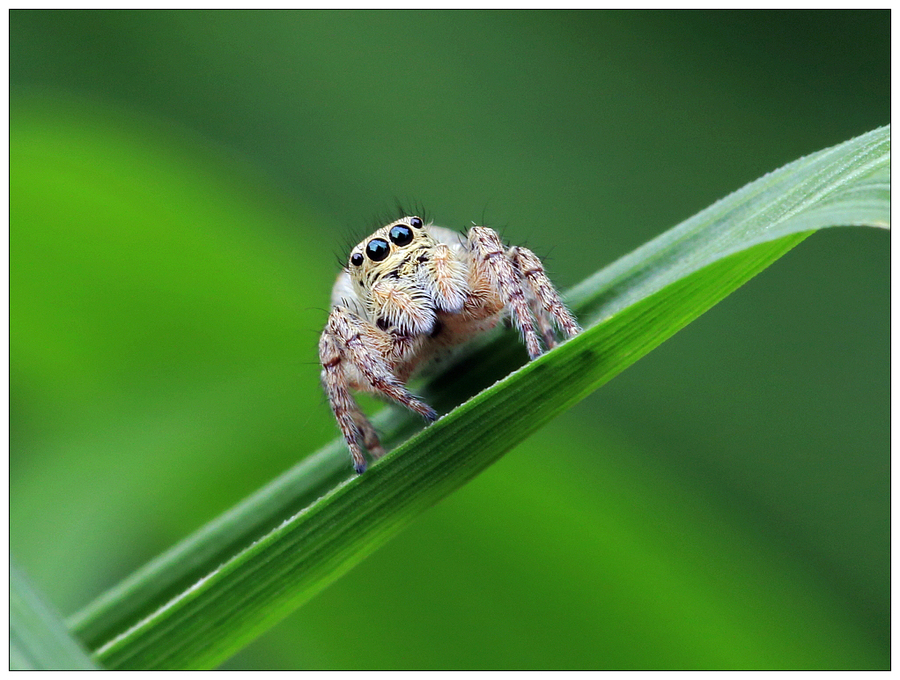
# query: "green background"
[[183, 185]]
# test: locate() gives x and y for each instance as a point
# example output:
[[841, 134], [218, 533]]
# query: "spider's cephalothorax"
[[410, 292]]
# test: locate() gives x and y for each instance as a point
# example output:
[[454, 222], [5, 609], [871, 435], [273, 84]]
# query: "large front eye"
[[401, 234], [377, 249]]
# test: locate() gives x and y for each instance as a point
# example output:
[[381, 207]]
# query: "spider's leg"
[[366, 347], [369, 435], [543, 321], [540, 314], [549, 304], [343, 405], [491, 262]]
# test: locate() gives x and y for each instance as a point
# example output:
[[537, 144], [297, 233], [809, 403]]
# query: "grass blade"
[[629, 308]]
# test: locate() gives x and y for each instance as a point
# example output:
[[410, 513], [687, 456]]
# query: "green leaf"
[[220, 588], [38, 638]]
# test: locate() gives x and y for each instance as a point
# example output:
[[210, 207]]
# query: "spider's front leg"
[[351, 348], [492, 263], [352, 422]]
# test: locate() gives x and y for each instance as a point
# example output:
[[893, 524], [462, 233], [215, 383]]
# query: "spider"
[[411, 292]]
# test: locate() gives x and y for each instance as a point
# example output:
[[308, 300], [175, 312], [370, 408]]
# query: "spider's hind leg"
[[493, 263], [545, 300]]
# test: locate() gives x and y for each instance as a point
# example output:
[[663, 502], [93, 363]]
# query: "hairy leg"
[[491, 262], [343, 405], [544, 294], [367, 348]]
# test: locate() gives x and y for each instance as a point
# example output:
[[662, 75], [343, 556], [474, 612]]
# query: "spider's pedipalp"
[[444, 276], [402, 305]]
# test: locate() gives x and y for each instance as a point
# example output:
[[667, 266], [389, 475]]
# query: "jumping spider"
[[411, 292]]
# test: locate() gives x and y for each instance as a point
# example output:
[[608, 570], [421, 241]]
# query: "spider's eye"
[[401, 234], [356, 259], [377, 249], [416, 222]]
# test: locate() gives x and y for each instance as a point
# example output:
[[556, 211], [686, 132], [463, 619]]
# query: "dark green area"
[[164, 316]]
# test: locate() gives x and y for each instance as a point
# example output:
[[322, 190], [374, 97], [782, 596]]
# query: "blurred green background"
[[181, 184]]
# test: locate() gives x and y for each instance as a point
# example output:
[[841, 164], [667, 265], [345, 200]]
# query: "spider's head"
[[389, 251], [386, 276]]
